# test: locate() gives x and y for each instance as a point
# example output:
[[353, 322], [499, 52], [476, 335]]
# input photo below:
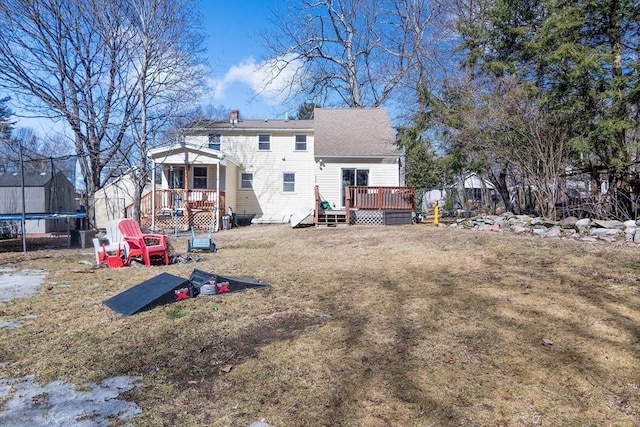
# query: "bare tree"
[[166, 63], [354, 50], [64, 60], [105, 68], [506, 131], [537, 144]]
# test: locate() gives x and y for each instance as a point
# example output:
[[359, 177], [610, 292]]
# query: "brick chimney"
[[233, 118]]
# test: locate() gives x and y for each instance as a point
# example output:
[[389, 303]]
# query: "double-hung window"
[[288, 182], [264, 142], [199, 177], [301, 142], [246, 181], [214, 141]]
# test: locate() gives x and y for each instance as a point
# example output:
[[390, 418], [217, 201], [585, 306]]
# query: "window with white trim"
[[246, 181], [301, 142], [214, 141], [288, 182], [264, 142], [200, 177], [176, 177]]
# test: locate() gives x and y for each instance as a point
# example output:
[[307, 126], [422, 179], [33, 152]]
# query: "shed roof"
[[353, 132]]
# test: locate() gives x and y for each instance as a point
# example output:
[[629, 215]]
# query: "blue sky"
[[236, 57]]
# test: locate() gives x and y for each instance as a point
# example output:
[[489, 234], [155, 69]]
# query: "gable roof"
[[338, 132], [353, 132]]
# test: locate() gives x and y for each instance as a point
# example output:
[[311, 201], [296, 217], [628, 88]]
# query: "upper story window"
[[264, 142], [246, 181], [199, 177], [288, 182], [301, 142], [214, 141]]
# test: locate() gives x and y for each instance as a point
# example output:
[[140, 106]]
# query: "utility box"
[[398, 217], [82, 239]]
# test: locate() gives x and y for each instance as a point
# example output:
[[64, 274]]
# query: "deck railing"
[[380, 198], [179, 199], [373, 198]]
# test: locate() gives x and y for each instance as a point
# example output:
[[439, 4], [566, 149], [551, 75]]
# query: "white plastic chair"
[[111, 245]]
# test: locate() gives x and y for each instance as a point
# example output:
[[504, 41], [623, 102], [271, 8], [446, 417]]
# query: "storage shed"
[[44, 193]]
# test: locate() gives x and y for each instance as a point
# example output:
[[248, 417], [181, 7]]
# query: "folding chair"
[[203, 243]]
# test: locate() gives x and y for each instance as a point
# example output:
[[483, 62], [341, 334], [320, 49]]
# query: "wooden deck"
[[361, 198]]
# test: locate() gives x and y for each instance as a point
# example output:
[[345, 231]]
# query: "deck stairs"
[[332, 218]]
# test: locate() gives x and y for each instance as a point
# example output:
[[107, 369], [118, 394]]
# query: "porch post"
[[153, 194], [347, 203], [217, 219], [185, 198]]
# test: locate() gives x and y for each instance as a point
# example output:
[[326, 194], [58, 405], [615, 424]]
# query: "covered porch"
[[188, 188], [181, 209]]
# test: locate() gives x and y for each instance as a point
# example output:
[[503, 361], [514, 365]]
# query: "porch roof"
[[191, 153]]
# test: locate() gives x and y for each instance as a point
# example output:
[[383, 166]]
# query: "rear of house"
[[269, 170], [354, 147]]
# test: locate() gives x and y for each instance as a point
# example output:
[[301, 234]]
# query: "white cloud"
[[271, 80]]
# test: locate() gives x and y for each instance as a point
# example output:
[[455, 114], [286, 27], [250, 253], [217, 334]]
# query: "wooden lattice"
[[170, 220], [368, 217]]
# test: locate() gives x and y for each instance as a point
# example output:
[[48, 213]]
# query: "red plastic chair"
[[141, 244]]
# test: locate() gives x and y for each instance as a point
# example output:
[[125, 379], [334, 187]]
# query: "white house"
[[269, 169]]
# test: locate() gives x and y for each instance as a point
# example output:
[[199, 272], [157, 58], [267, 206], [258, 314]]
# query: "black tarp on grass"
[[162, 289], [167, 288]]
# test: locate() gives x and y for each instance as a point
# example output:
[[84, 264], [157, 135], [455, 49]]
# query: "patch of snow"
[[13, 324], [22, 284], [61, 404]]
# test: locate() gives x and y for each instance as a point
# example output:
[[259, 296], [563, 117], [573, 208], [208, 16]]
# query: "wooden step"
[[332, 217]]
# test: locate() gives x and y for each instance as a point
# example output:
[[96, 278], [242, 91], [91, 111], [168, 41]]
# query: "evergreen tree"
[[305, 111], [6, 125], [579, 61]]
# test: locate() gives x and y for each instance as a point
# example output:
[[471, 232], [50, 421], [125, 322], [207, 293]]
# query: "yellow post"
[[436, 213]]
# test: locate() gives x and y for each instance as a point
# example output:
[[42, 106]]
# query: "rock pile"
[[582, 229]]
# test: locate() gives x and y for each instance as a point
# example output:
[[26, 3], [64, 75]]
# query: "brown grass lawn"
[[361, 326]]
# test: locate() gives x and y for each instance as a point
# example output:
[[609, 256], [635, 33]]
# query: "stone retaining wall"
[[581, 229]]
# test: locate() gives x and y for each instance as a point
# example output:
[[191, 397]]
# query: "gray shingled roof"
[[359, 132], [338, 132], [205, 126]]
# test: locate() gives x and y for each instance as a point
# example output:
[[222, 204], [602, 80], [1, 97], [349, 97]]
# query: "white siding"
[[231, 188], [383, 173], [267, 199]]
